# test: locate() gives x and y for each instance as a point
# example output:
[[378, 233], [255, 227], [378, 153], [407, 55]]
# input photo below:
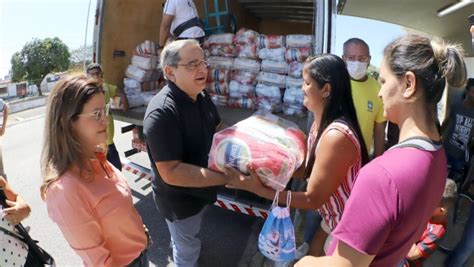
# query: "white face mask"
[[357, 70]]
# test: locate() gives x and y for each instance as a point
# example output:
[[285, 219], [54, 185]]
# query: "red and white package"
[[294, 82], [218, 75], [295, 69], [299, 40], [248, 142], [220, 62], [277, 54], [270, 41], [246, 64], [220, 39], [145, 62], [146, 48], [244, 77], [219, 100], [218, 88], [247, 51], [237, 90], [280, 67], [297, 54], [294, 110], [222, 50], [246, 36], [293, 96], [242, 102], [272, 79]]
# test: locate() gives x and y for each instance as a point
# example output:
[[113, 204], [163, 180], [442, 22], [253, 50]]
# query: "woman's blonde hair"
[[61, 147], [433, 61]]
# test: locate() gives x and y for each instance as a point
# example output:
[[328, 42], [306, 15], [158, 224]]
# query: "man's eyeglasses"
[[357, 58], [194, 65], [98, 114]]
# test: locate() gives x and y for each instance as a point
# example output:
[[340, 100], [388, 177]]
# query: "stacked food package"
[[143, 75], [246, 144], [251, 70], [245, 70], [298, 49], [220, 51], [272, 77]]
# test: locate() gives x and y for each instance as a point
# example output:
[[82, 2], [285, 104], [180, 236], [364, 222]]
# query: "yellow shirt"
[[110, 91], [368, 106]]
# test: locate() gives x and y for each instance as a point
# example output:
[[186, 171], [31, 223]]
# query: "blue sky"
[[23, 20]]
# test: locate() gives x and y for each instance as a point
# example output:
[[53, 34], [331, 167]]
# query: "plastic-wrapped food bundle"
[[297, 54], [220, 62], [293, 96], [218, 75], [268, 91], [246, 36], [268, 98], [294, 82], [131, 86], [247, 51], [222, 50], [246, 64], [243, 102], [270, 41], [147, 47], [219, 100], [244, 77], [299, 40], [280, 67], [137, 73], [272, 79], [295, 69], [218, 88], [145, 62], [277, 54], [269, 105], [237, 90], [247, 144], [294, 110], [220, 39], [133, 92]]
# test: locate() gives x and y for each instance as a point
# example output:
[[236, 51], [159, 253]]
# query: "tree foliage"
[[81, 54], [38, 58]]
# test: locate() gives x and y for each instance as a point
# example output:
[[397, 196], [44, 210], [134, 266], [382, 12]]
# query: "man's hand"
[[251, 183]]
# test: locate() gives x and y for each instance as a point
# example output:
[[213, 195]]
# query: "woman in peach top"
[[85, 195]]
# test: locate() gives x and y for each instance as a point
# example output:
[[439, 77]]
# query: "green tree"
[[38, 58], [373, 71], [81, 54]]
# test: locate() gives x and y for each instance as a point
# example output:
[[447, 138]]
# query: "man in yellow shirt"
[[365, 89], [94, 70]]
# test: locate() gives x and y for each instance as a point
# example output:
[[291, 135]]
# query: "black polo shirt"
[[177, 127]]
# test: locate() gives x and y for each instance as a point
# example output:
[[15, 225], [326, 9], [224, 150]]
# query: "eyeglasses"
[[194, 65], [357, 58], [98, 114]]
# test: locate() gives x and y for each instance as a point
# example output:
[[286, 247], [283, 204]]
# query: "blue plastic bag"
[[277, 237]]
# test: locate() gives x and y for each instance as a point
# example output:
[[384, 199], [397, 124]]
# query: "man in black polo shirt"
[[179, 124]]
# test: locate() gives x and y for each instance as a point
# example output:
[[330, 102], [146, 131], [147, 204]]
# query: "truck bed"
[[228, 115]]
